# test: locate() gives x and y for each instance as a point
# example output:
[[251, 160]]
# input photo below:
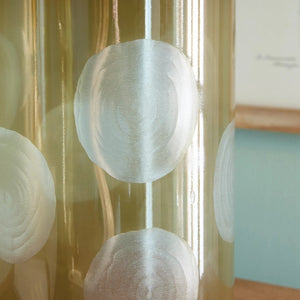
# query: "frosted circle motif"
[[223, 185], [27, 198], [136, 107], [146, 264]]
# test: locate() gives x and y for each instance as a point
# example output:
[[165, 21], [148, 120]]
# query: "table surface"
[[250, 290]]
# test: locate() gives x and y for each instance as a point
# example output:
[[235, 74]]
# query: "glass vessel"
[[116, 146]]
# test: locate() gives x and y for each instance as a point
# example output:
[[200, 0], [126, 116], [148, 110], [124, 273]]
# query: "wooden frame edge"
[[268, 118], [246, 289]]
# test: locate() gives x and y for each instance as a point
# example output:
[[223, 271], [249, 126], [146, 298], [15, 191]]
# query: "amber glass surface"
[[46, 44]]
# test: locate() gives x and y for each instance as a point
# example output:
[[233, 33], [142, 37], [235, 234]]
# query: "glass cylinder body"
[[134, 214]]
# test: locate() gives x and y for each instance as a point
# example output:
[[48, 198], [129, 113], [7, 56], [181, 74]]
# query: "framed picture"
[[268, 64]]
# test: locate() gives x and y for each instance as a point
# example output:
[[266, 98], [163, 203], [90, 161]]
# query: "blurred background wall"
[[267, 207]]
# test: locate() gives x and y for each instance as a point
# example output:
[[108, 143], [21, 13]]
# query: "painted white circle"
[[223, 185], [27, 198], [146, 264], [136, 108]]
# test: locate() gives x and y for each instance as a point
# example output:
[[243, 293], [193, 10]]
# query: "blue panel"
[[267, 207]]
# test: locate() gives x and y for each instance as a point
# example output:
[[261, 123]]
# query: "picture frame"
[[268, 65]]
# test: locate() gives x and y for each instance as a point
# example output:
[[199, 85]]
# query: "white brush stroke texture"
[[223, 185], [145, 264], [136, 107], [27, 198]]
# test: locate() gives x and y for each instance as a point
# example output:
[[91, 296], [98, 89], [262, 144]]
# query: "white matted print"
[[268, 53]]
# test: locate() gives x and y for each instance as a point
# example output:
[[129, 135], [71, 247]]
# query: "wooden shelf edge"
[[249, 290], [267, 118]]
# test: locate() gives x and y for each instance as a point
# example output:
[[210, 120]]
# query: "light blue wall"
[[267, 207]]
